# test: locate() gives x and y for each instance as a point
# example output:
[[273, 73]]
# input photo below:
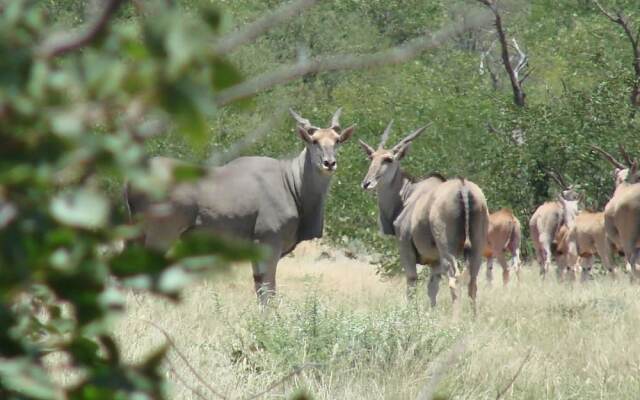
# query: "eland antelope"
[[622, 212], [434, 220], [504, 235], [546, 226], [583, 241], [276, 203]]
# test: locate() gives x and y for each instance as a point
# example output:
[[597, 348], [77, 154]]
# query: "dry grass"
[[357, 338]]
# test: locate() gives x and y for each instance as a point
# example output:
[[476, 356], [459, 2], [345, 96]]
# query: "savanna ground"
[[355, 336]]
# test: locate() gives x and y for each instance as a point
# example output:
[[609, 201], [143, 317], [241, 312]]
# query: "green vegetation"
[[77, 117], [577, 95]]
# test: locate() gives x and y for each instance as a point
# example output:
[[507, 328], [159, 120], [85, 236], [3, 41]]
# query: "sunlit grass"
[[357, 337]]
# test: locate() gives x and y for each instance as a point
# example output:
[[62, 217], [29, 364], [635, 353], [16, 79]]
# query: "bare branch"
[[484, 55], [518, 93], [394, 55], [184, 358], [258, 27], [502, 392], [438, 368], [193, 390], [634, 40], [526, 75], [607, 14], [522, 62], [253, 136], [71, 42]]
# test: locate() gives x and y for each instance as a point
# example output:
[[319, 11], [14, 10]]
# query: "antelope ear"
[[346, 134], [305, 134], [367, 149]]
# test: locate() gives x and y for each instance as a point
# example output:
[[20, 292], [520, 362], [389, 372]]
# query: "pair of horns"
[[385, 136], [305, 123], [612, 159]]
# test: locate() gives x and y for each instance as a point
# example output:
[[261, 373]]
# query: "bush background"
[[577, 94]]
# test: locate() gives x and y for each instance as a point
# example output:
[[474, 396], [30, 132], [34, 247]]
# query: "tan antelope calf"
[[434, 220], [586, 239], [504, 235], [546, 223], [622, 212]]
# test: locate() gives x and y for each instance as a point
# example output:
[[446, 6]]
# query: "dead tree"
[[513, 71], [634, 38]]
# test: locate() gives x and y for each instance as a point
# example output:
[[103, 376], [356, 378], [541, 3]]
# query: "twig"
[[296, 371], [194, 390], [484, 55], [249, 139], [606, 13], [184, 359], [394, 55], [522, 62], [253, 30], [502, 392], [71, 42], [518, 93], [440, 365], [634, 40]]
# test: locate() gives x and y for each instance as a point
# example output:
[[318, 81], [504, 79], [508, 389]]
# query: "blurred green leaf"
[[136, 259], [188, 172], [224, 75], [180, 102], [82, 208], [21, 376], [199, 244]]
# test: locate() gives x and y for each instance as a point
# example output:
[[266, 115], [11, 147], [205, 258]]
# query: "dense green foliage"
[[73, 125], [577, 95]]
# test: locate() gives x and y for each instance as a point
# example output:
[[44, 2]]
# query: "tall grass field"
[[336, 330]]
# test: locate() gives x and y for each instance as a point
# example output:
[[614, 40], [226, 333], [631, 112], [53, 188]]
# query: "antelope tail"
[[466, 200], [510, 238]]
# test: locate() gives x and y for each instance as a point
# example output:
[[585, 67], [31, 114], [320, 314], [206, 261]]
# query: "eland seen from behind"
[[622, 212], [434, 220], [504, 235], [549, 223], [275, 203]]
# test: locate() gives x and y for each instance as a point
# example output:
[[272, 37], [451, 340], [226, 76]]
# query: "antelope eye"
[[387, 160], [314, 142]]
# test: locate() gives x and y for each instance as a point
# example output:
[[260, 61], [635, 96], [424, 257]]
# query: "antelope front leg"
[[505, 269], [587, 266], [434, 283], [489, 270], [408, 262], [264, 274], [451, 266], [515, 262]]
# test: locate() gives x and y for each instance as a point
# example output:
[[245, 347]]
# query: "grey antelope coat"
[[277, 203], [434, 220]]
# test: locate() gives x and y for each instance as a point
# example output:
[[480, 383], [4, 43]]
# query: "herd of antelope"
[[435, 221]]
